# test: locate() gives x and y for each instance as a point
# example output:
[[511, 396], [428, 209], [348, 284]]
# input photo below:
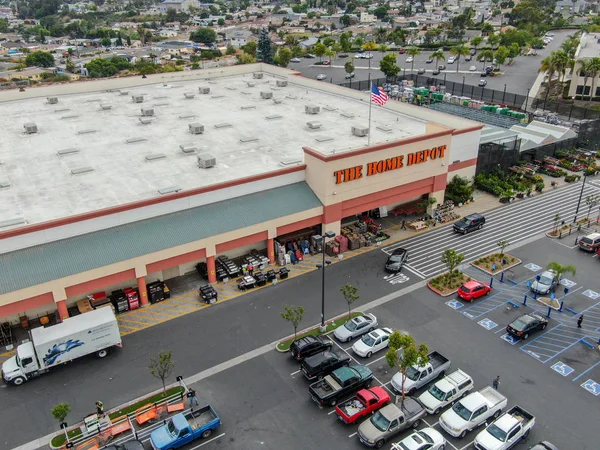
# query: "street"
[[259, 400], [518, 77]]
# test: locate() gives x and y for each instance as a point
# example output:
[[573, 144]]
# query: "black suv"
[[324, 363], [308, 346], [469, 223], [396, 260]]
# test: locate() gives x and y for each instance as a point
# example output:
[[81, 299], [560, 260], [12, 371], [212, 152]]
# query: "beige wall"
[[321, 179], [467, 172]]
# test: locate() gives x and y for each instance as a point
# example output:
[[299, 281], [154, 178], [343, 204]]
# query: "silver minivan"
[[590, 243]]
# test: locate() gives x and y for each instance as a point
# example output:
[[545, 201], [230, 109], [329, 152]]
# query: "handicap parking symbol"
[[454, 304], [398, 278], [567, 283], [487, 324], [591, 294], [562, 368], [533, 267], [510, 339], [592, 386]]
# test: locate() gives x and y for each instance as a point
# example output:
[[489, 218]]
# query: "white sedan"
[[473, 68], [321, 76], [372, 342], [425, 439], [409, 59]]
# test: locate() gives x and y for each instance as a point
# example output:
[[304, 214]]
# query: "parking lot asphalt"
[[518, 77], [265, 401]]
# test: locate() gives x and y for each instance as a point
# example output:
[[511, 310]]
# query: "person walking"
[[193, 398], [496, 382], [99, 408], [579, 321], [403, 227]]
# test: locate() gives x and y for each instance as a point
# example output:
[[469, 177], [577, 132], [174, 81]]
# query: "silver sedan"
[[356, 327]]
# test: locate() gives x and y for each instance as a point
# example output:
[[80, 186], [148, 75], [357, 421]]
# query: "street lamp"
[[582, 186], [321, 265]]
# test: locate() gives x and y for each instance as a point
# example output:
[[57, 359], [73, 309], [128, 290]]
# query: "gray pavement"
[[518, 77], [202, 340]]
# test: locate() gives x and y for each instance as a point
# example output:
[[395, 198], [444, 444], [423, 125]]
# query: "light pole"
[[321, 265], [582, 187]]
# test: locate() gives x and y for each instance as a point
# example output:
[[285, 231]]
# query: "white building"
[[367, 18], [177, 5]]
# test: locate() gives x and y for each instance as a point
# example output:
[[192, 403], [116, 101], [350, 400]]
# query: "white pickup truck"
[[506, 430], [418, 376], [472, 411], [446, 391]]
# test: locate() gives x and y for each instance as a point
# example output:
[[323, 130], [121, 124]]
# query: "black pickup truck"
[[342, 383], [323, 363]]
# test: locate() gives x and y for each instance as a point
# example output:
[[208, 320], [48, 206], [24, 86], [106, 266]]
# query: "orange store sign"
[[385, 165]]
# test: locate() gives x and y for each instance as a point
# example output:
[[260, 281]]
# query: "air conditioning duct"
[[281, 83], [137, 98], [360, 131], [204, 90], [257, 75], [147, 112], [206, 160], [52, 100], [312, 109], [30, 128], [266, 95], [196, 128]]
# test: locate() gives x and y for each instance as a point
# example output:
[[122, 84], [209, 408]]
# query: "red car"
[[402, 51], [473, 289], [326, 63], [365, 402]]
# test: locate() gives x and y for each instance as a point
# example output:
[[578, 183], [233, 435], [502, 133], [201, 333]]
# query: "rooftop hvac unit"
[[251, 83], [277, 101], [257, 75], [312, 109], [147, 112], [314, 125], [360, 131], [145, 120], [137, 98], [52, 100], [188, 149], [196, 128], [188, 95], [281, 83], [266, 94], [204, 90], [206, 160], [124, 92], [105, 106], [30, 128]]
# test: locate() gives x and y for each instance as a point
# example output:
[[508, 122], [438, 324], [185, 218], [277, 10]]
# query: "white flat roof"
[[108, 149]]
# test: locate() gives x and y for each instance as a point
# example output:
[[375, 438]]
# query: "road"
[[518, 77], [205, 339]]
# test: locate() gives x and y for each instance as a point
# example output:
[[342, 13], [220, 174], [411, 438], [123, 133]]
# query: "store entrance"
[[290, 248]]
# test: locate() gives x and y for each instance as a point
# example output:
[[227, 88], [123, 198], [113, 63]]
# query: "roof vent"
[[135, 140], [89, 131], [206, 160], [155, 157], [231, 88], [277, 101], [289, 162], [347, 115], [145, 120], [384, 128], [124, 92], [274, 116], [160, 97], [257, 75], [188, 149], [67, 151], [217, 96], [196, 128], [223, 125], [30, 128], [329, 108], [266, 94], [189, 95], [251, 83], [161, 104], [137, 98], [281, 83], [360, 131], [81, 170], [12, 222], [69, 117], [204, 89], [314, 125], [4, 184], [52, 100], [244, 108], [312, 109], [62, 110], [187, 116], [246, 139], [147, 112], [321, 139], [169, 190], [105, 106]]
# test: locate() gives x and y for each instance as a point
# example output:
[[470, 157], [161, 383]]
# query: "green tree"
[[345, 41], [161, 367], [500, 55], [458, 51], [494, 40], [105, 42], [4, 26], [40, 59], [380, 12], [404, 353], [459, 190], [556, 222], [548, 66], [591, 201], [60, 412], [476, 41], [320, 50], [594, 70], [502, 244], [344, 20], [560, 269], [437, 55], [487, 28], [485, 55], [264, 50], [293, 315], [69, 66], [514, 50], [221, 22], [284, 56], [204, 36], [350, 294], [246, 58], [388, 65], [250, 48], [128, 41], [349, 67], [413, 51], [171, 15], [452, 259]]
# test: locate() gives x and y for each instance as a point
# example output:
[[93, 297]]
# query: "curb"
[[498, 271], [439, 292]]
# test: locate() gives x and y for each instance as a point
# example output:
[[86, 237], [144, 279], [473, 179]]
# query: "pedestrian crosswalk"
[[514, 222]]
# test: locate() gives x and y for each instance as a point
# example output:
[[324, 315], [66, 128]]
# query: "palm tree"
[[330, 54], [485, 55], [437, 55], [561, 61], [549, 66], [585, 66], [383, 48], [381, 35], [594, 71], [458, 51], [560, 270], [476, 41], [413, 51], [369, 47]]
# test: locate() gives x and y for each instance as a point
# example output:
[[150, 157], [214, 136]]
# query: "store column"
[[272, 234], [210, 263], [140, 274], [60, 298], [439, 190], [332, 219]]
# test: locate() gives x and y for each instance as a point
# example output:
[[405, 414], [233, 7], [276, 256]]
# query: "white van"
[[446, 391]]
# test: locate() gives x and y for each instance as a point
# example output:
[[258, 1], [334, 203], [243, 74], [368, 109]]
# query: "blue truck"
[[185, 428]]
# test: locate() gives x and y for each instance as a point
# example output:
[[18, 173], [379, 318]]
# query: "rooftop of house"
[[95, 150], [589, 46]]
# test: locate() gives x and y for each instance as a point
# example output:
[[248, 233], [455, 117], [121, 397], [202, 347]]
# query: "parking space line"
[[555, 339], [373, 362], [415, 271], [353, 434], [297, 371], [209, 441], [585, 371], [435, 424]]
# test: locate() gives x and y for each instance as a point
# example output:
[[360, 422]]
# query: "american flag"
[[378, 96]]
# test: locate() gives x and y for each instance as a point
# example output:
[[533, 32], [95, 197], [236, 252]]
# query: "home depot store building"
[[251, 212]]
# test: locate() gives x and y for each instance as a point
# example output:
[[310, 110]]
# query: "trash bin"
[[283, 273]]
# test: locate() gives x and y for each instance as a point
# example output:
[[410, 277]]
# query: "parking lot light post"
[[581, 192], [504, 94], [525, 300], [463, 87], [322, 265]]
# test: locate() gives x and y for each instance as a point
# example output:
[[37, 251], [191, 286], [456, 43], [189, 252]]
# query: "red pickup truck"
[[366, 402]]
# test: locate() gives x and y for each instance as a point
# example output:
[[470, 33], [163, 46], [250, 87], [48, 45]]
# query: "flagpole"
[[370, 106]]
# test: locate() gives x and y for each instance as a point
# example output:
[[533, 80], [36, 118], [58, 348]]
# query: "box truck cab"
[[93, 332]]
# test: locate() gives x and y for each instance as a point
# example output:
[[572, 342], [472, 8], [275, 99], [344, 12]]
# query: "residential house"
[[365, 17], [177, 5], [292, 30], [167, 33], [308, 43], [237, 37]]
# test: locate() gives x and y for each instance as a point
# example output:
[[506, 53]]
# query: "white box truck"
[[93, 332]]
